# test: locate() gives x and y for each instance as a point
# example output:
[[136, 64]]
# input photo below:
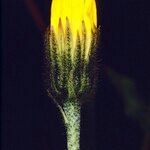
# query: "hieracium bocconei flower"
[[70, 53]]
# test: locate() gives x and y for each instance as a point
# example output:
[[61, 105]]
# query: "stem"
[[72, 113]]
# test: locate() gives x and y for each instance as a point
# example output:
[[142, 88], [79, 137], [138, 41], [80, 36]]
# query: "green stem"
[[72, 113]]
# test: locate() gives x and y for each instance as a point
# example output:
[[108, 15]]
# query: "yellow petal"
[[76, 11]]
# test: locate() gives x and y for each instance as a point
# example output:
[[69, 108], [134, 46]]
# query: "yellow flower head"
[[79, 13], [71, 60]]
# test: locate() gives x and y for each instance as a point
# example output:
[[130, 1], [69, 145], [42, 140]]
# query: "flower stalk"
[[72, 112]]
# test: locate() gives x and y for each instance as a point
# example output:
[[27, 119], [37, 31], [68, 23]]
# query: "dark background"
[[30, 121]]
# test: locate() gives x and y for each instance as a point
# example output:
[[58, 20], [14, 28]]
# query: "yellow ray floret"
[[77, 12]]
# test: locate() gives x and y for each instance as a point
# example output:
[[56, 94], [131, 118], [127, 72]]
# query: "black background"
[[30, 121]]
